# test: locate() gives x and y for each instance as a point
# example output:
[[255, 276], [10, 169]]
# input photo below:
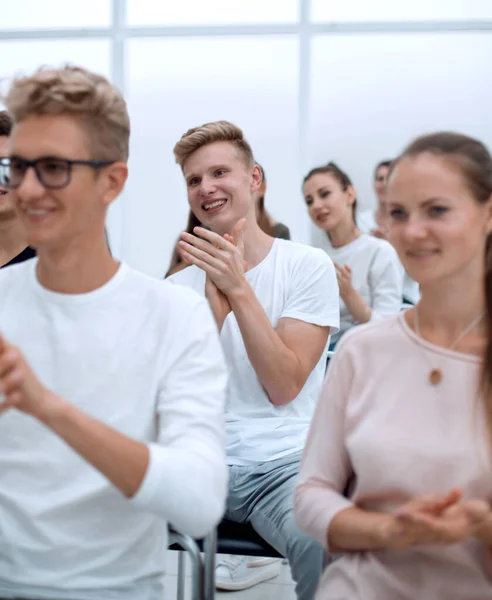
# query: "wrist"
[[382, 532], [51, 408], [366, 315], [239, 292]]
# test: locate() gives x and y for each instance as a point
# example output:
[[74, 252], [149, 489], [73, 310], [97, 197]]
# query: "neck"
[[12, 240], [445, 309], [345, 232], [76, 269]]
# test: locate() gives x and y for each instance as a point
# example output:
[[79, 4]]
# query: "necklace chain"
[[435, 376], [465, 331]]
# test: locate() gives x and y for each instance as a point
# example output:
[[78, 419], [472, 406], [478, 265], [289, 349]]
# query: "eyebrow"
[[212, 168], [427, 202]]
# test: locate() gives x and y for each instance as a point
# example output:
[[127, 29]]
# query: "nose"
[[316, 205], [415, 228], [207, 186], [30, 187]]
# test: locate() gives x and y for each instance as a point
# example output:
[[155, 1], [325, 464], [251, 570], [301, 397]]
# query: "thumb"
[[477, 510], [238, 232]]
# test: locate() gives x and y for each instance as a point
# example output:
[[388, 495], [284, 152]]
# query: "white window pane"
[[400, 10], [53, 14], [176, 84], [24, 56], [211, 12], [372, 94]]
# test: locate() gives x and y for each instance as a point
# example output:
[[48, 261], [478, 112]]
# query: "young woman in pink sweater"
[[396, 477]]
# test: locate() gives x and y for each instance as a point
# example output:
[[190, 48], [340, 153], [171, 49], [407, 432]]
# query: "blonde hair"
[[74, 91], [218, 131]]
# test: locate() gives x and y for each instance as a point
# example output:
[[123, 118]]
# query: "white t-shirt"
[[366, 221], [143, 357], [377, 275], [293, 281]]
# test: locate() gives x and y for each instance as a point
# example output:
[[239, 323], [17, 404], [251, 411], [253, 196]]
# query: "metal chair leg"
[[197, 569], [181, 575], [210, 551]]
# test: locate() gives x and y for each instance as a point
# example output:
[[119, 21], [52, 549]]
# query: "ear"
[[351, 194], [115, 177], [256, 178]]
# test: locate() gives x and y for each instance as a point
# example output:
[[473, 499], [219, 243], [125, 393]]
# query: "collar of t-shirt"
[[26, 254]]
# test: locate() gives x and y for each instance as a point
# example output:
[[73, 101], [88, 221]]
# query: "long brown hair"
[[475, 163], [176, 259], [343, 179], [264, 220]]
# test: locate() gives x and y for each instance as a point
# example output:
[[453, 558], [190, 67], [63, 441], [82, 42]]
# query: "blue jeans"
[[263, 495]]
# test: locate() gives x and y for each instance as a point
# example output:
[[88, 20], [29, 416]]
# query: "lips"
[[421, 253], [36, 215], [213, 205]]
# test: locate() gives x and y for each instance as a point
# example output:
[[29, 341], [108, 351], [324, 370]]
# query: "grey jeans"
[[263, 495]]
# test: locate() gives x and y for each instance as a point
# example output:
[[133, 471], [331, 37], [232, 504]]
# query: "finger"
[[11, 382], [433, 503], [8, 361], [453, 497], [212, 249], [216, 240], [11, 402], [201, 264], [478, 510], [238, 231], [203, 255]]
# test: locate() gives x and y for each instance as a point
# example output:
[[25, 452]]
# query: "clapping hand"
[[437, 519], [344, 278], [19, 387], [220, 257]]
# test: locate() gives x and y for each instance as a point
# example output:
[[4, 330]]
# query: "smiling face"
[[327, 202], [7, 209], [435, 223], [221, 186], [76, 212]]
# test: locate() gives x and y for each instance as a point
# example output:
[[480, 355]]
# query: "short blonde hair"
[[79, 93], [218, 131]]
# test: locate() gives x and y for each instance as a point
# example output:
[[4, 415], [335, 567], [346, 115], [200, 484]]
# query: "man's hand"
[[218, 301], [19, 386], [220, 257]]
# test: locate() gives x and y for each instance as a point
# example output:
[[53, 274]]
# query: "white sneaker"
[[235, 573]]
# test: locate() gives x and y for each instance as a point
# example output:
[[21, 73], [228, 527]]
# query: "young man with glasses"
[[112, 383], [13, 246], [274, 302]]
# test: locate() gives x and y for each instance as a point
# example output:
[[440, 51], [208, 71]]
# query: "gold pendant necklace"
[[435, 376]]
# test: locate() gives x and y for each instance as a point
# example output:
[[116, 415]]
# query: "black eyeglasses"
[[52, 172]]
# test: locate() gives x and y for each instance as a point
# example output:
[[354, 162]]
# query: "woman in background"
[[369, 274], [404, 420], [265, 221]]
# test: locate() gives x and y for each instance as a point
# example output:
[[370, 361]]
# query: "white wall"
[[352, 83]]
